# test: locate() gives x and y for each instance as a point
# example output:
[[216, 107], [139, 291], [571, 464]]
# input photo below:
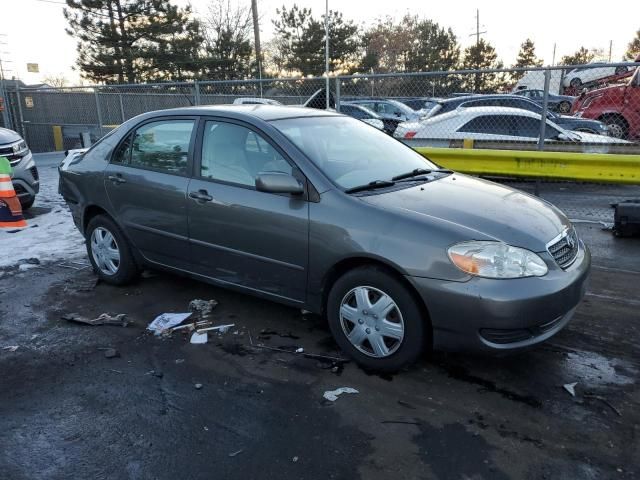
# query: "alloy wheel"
[[371, 321], [105, 251]]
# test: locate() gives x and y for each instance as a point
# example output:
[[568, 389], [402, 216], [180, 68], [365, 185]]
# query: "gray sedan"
[[322, 212]]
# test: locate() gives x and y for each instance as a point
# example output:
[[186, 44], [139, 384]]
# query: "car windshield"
[[350, 152]]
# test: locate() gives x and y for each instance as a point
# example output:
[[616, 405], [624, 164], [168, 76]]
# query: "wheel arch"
[[347, 264]]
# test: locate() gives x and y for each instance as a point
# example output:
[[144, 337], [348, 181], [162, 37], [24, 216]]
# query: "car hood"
[[485, 210], [8, 136]]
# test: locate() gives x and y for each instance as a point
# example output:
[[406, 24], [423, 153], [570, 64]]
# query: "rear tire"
[[564, 107], [618, 126], [110, 252], [575, 82], [376, 320]]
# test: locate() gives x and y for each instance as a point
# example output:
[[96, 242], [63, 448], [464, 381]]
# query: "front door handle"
[[117, 179], [201, 196]]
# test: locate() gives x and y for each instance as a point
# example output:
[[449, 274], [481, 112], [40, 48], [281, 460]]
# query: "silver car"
[[26, 181], [320, 211]]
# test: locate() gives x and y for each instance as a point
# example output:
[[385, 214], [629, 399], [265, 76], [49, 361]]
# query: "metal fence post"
[[98, 110], [337, 94], [543, 121], [23, 129], [196, 92], [122, 116]]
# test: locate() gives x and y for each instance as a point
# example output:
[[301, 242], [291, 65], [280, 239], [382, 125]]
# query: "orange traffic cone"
[[10, 208]]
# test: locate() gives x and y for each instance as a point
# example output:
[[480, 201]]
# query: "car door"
[[239, 235], [146, 182]]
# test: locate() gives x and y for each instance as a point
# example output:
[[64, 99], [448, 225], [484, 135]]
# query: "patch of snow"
[[50, 236]]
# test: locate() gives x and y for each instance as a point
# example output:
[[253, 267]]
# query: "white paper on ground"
[[167, 320], [332, 395], [199, 337]]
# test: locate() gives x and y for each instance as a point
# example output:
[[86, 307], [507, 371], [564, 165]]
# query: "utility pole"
[[256, 35], [6, 120], [478, 32], [326, 50], [610, 49], [553, 58]]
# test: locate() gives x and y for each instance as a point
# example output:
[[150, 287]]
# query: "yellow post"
[[467, 143], [57, 138]]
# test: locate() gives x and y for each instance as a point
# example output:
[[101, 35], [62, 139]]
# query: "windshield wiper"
[[419, 171], [370, 186]]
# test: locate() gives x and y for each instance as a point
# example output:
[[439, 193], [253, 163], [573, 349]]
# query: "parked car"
[[557, 103], [367, 116], [388, 108], [618, 106], [505, 100], [255, 101], [315, 210], [422, 105], [489, 123], [591, 73], [26, 181]]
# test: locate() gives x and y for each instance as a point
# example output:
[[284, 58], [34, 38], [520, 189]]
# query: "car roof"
[[263, 112], [472, 112]]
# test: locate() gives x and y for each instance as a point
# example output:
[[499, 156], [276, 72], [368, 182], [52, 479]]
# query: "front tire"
[[564, 107], [376, 320], [109, 251], [27, 204]]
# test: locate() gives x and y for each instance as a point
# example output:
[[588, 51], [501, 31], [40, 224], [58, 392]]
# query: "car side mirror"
[[279, 183]]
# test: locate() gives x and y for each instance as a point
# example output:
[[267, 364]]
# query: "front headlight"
[[20, 147], [496, 260]]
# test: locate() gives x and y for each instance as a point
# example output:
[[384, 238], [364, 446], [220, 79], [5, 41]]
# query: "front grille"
[[34, 173], [565, 250]]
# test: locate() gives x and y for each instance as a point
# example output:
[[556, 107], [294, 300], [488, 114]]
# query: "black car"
[[364, 113], [557, 103], [512, 101], [423, 104]]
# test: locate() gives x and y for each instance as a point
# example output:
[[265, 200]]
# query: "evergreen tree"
[[133, 40], [633, 49], [303, 45], [580, 57], [482, 56], [526, 58], [434, 48]]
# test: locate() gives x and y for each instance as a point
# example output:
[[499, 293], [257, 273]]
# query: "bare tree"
[[56, 80]]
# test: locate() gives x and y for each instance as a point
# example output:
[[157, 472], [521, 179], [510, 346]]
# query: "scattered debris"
[[179, 361], [115, 371], [103, 319], [198, 386], [605, 401], [300, 350], [219, 328], [165, 321], [294, 459], [406, 404], [401, 422], [294, 351], [111, 353], [202, 307], [332, 395], [238, 452], [11, 348], [199, 338], [571, 388], [75, 265], [191, 326]]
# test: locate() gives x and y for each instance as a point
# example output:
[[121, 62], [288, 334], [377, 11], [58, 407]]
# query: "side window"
[[527, 126], [163, 146], [481, 124], [123, 152], [233, 153]]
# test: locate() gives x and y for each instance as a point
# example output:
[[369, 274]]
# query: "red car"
[[618, 106]]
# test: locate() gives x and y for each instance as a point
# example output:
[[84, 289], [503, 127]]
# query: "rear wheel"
[[109, 251], [618, 126], [376, 320], [575, 82], [564, 107]]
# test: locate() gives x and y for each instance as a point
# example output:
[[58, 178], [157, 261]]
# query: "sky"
[[33, 31]]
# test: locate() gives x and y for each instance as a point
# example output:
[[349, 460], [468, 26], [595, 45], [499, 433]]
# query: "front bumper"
[[26, 179], [488, 315]]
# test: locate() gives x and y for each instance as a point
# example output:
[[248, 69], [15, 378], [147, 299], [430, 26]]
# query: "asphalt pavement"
[[164, 408]]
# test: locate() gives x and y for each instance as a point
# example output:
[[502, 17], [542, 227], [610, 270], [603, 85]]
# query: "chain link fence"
[[587, 108]]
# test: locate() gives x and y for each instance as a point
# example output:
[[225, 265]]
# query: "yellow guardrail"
[[586, 167]]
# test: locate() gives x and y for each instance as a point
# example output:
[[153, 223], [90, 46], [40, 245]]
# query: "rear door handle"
[[116, 178], [201, 196]]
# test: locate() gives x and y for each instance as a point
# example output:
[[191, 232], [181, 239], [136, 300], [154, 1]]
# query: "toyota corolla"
[[320, 211]]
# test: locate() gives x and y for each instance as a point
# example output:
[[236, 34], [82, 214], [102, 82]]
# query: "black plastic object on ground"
[[627, 218]]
